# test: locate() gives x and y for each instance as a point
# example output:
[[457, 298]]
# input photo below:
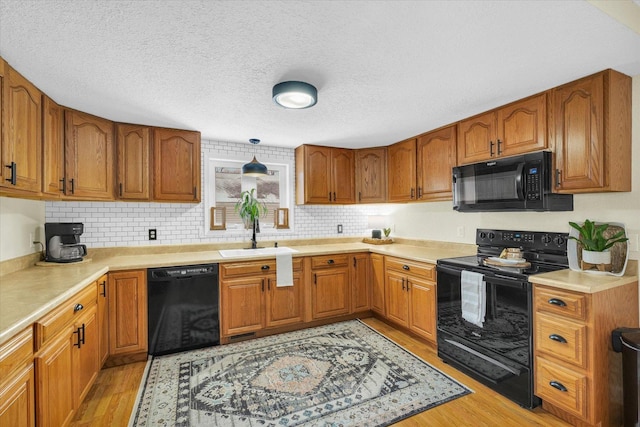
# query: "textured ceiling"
[[385, 70]]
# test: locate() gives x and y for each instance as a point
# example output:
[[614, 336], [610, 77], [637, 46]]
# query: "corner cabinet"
[[324, 175], [436, 156], [17, 381], [591, 125], [89, 152], [360, 279], [127, 299], [371, 175], [577, 374], [251, 300], [21, 145], [176, 165], [377, 284], [517, 128], [411, 296]]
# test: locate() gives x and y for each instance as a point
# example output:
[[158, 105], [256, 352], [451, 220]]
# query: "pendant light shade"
[[296, 95], [254, 167]]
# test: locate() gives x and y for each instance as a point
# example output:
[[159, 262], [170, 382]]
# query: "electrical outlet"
[[339, 228], [153, 235]]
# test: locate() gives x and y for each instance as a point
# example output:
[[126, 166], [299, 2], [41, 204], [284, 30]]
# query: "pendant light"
[[254, 167], [296, 95]]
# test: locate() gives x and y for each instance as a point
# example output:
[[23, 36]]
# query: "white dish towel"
[[284, 269], [474, 299]]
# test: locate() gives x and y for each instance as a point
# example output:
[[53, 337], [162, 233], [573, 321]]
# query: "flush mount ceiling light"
[[254, 167], [295, 95]]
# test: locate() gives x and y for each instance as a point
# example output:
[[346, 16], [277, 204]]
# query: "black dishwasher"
[[182, 308]]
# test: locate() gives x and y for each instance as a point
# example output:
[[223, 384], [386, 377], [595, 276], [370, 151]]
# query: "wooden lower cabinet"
[[252, 301], [17, 381], [577, 374], [410, 298], [377, 284], [330, 287], [127, 291], [103, 318], [360, 279]]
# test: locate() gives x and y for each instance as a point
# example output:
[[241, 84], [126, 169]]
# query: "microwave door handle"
[[456, 203], [520, 181]]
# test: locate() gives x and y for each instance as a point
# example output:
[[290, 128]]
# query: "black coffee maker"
[[63, 241]]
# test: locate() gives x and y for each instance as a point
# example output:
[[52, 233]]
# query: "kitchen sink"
[[248, 253]]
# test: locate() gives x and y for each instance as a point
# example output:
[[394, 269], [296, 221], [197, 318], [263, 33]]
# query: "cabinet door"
[[22, 145], [371, 175], [317, 174], [242, 305], [397, 298], [330, 292], [436, 154], [88, 156], [477, 138], [360, 279], [176, 165], [377, 284], [127, 292], [53, 181], [579, 133], [343, 186], [17, 402], [86, 357], [522, 126], [54, 383], [401, 171], [103, 319], [132, 144], [284, 305], [422, 311]]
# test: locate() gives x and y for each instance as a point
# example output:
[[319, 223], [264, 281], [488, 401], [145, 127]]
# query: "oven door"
[[499, 353]]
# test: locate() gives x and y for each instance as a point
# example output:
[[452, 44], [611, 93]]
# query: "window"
[[226, 182]]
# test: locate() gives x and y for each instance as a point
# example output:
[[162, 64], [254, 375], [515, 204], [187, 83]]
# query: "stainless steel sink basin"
[[249, 253]]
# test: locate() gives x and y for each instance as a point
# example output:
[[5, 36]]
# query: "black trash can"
[[627, 341]]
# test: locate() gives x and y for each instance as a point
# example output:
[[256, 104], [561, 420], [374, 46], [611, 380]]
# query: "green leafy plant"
[[386, 231], [249, 207], [592, 236]]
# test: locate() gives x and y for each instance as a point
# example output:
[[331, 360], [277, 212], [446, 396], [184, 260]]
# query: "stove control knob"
[[491, 235], [558, 240], [546, 239], [482, 234]]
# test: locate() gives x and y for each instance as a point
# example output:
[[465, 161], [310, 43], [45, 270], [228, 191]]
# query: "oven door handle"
[[503, 280], [449, 270], [484, 357]]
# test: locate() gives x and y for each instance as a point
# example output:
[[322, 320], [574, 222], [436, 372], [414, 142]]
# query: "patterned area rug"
[[344, 374]]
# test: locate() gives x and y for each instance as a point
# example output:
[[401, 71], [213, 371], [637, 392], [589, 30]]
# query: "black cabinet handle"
[[315, 279], [195, 193], [329, 195], [419, 193], [330, 261], [78, 307], [557, 385], [499, 151], [72, 181], [103, 286], [406, 267], [82, 334], [558, 338], [403, 284], [334, 196], [268, 284], [412, 192], [262, 285], [64, 185], [360, 196], [78, 343], [354, 262], [12, 167], [265, 267], [558, 302], [408, 282], [558, 173], [120, 189], [491, 148]]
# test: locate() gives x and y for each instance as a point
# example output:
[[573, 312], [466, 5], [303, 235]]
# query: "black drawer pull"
[[557, 385], [12, 168], [103, 292], [558, 302], [406, 267], [265, 267], [330, 261], [558, 338], [78, 307]]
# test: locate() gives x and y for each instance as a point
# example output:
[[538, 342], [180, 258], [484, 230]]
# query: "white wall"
[[20, 219]]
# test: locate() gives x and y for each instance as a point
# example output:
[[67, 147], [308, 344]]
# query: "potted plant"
[[595, 244], [250, 210]]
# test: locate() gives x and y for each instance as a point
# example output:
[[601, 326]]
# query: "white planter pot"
[[595, 258]]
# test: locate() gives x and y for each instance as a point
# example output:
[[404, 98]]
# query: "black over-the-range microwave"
[[518, 183]]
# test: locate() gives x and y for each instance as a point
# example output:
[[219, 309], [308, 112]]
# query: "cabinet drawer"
[[561, 302], [561, 338], [47, 327], [15, 352], [326, 261], [561, 387], [422, 270], [255, 267]]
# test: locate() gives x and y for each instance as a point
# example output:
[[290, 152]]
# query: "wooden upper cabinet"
[[517, 128], [401, 171], [436, 156], [21, 148], [88, 156], [176, 165], [132, 146], [53, 179], [371, 175], [324, 175], [591, 125]]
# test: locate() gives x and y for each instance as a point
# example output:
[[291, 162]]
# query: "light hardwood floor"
[[111, 399]]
